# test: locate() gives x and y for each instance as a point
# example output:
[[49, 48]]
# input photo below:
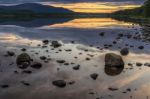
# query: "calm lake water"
[[80, 39]]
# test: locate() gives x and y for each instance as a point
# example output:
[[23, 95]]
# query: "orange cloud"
[[95, 7]]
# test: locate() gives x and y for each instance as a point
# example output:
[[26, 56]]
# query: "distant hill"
[[28, 11], [35, 7]]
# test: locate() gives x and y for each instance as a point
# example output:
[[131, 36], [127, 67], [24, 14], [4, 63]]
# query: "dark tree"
[[147, 8]]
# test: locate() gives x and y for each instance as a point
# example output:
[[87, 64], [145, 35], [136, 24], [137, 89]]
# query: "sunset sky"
[[89, 6], [96, 7]]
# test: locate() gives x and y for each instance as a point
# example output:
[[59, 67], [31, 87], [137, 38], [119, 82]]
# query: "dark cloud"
[[66, 1]]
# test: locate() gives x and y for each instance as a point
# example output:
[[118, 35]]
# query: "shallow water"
[[85, 33]]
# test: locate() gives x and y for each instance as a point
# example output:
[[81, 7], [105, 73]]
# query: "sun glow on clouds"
[[97, 7]]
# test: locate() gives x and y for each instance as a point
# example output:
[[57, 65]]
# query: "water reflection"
[[113, 71], [91, 23], [34, 22], [80, 41], [67, 22]]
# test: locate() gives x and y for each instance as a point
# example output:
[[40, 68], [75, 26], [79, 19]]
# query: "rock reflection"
[[113, 71]]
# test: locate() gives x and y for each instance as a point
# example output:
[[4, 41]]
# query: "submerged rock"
[[56, 44], [59, 83], [23, 60], [113, 60], [124, 51]]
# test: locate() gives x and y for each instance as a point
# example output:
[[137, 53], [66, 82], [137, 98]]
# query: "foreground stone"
[[114, 64], [59, 83], [23, 60], [113, 60]]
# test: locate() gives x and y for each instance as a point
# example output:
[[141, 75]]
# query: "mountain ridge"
[[36, 7]]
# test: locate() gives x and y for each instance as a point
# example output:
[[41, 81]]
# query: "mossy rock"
[[23, 60]]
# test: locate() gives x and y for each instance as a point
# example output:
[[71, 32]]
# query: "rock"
[[130, 64], [102, 33], [129, 89], [120, 35], [61, 61], [45, 42], [141, 47], [76, 67], [25, 83], [59, 83], [43, 58], [124, 51], [139, 64], [147, 64], [87, 59], [23, 60], [36, 65], [73, 42], [66, 64], [9, 53], [71, 82], [114, 42], [4, 86], [23, 49], [113, 89], [56, 44], [68, 50], [113, 60], [94, 76], [27, 71]]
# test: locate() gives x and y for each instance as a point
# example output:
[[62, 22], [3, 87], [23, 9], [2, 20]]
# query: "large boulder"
[[23, 60], [113, 60], [114, 64]]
